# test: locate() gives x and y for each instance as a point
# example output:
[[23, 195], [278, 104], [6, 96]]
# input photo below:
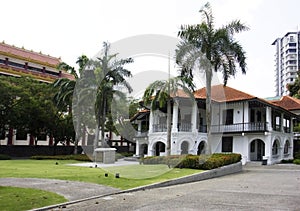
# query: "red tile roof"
[[221, 93], [140, 114], [26, 54], [180, 93], [288, 103]]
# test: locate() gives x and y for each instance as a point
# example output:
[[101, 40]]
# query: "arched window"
[[275, 147], [286, 147], [184, 148]]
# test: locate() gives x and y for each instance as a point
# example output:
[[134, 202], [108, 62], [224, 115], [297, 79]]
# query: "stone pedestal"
[[105, 155]]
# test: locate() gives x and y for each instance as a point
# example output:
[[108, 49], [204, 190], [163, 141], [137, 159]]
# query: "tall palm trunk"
[[169, 127], [208, 74], [103, 122], [77, 136]]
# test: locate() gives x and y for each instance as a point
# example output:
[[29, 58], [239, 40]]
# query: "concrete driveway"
[[275, 187]]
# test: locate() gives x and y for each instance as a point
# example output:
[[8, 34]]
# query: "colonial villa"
[[18, 62], [258, 129]]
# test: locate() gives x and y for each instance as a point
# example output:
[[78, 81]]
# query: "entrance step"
[[131, 158], [254, 163]]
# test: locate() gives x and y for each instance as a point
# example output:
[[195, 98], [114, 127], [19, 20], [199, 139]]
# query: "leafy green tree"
[[161, 92], [10, 96], [294, 88], [205, 47], [26, 105]]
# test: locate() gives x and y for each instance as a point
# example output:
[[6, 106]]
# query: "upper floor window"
[[228, 116], [2, 61]]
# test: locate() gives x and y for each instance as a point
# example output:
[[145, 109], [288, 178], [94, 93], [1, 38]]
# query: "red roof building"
[[17, 62], [288, 103]]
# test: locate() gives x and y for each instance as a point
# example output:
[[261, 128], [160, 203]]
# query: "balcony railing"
[[160, 128], [202, 129], [185, 127], [233, 128], [240, 127], [141, 134]]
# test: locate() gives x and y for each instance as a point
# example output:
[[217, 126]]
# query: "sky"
[[68, 29]]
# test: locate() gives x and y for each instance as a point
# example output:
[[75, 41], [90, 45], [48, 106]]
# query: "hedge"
[[4, 157], [80, 157], [297, 155], [204, 162], [296, 161]]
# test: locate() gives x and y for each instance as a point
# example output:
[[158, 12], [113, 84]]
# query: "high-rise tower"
[[286, 61]]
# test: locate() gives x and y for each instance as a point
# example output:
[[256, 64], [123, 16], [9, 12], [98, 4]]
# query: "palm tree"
[[110, 73], [161, 92], [64, 95], [215, 49], [65, 90]]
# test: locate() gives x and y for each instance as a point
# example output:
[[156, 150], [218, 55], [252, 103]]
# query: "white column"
[[139, 127], [175, 117], [269, 117], [291, 125], [151, 122], [281, 123], [194, 117], [137, 148]]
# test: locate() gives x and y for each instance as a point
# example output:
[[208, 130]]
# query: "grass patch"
[[141, 171], [49, 169], [13, 198]]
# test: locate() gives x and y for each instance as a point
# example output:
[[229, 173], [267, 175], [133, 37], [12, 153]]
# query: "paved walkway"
[[281, 183], [275, 187], [71, 190]]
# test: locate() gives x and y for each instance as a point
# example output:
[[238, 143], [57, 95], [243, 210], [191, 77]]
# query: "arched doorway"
[[201, 148], [287, 146], [275, 148], [144, 150], [159, 148], [185, 148], [257, 150]]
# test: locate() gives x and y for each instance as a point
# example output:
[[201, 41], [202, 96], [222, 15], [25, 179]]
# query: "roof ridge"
[[30, 51]]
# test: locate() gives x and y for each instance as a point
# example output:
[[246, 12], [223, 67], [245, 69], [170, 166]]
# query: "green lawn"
[[12, 198], [25, 198], [141, 171], [130, 176]]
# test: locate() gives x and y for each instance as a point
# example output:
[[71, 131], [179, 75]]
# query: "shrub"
[[123, 154], [154, 160], [297, 155], [296, 161], [79, 157], [287, 161], [195, 161], [190, 161], [4, 157], [126, 154]]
